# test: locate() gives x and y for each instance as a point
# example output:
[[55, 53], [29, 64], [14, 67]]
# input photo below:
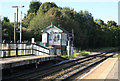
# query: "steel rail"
[[55, 71], [68, 78], [53, 66]]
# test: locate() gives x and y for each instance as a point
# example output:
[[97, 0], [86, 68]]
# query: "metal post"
[[14, 27], [1, 52], [21, 28], [17, 28], [17, 16], [68, 48], [7, 48], [44, 51], [37, 51], [31, 48], [16, 50], [2, 49], [20, 32], [61, 44], [24, 48], [72, 41], [17, 34], [0, 31]]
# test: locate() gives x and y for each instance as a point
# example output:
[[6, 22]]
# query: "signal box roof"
[[53, 26]]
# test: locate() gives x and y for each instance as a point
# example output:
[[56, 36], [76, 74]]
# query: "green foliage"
[[111, 23], [63, 55], [106, 49], [83, 53], [118, 55], [5, 19], [7, 30], [26, 21], [46, 6], [34, 6], [26, 34], [75, 54], [89, 33], [99, 21]]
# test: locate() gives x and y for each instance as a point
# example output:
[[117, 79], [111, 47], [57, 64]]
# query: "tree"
[[99, 21], [34, 6], [26, 21], [5, 19], [7, 30], [110, 23], [46, 6], [68, 19], [89, 33]]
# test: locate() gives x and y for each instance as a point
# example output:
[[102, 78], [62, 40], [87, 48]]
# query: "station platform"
[[106, 71], [24, 60]]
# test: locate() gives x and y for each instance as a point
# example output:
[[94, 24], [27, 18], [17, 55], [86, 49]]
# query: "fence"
[[9, 50]]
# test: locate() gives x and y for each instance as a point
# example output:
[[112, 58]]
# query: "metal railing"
[[10, 50]]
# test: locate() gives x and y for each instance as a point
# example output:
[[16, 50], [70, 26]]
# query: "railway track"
[[76, 75], [63, 71]]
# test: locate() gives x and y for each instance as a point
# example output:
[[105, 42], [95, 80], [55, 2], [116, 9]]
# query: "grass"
[[85, 53], [118, 55], [75, 54], [13, 53]]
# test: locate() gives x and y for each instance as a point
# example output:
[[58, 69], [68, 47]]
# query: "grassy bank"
[[118, 55], [85, 53], [76, 54], [13, 53]]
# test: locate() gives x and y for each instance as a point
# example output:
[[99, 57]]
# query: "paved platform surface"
[[106, 71], [22, 58]]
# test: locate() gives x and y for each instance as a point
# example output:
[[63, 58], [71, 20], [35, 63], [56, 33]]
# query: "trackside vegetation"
[[76, 54]]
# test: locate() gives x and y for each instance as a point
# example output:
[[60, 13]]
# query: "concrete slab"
[[24, 60], [113, 74], [17, 59], [104, 71]]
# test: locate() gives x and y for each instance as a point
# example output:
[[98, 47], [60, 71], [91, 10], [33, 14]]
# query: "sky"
[[100, 9]]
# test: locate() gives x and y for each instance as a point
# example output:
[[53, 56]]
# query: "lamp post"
[[21, 26], [17, 27], [17, 15], [1, 38], [14, 27], [0, 31], [21, 33], [17, 12]]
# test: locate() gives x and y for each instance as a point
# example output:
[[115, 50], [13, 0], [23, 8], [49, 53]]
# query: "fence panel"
[[8, 50]]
